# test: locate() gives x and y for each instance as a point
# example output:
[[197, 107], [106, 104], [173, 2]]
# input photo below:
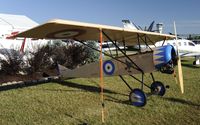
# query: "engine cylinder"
[[165, 58]]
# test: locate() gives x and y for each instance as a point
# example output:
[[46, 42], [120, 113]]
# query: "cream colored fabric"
[[65, 29]]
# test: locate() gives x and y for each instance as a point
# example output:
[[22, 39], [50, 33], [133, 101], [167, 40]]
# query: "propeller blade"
[[180, 73]]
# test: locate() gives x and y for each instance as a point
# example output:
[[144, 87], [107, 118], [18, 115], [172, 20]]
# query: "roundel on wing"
[[65, 34], [108, 67]]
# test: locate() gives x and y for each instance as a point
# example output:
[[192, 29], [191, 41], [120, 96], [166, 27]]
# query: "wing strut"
[[144, 40], [105, 53], [136, 66], [22, 46], [101, 76]]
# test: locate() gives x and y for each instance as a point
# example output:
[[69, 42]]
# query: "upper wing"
[[64, 29]]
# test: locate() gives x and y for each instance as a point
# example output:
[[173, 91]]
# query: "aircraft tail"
[[151, 27], [129, 25], [62, 70]]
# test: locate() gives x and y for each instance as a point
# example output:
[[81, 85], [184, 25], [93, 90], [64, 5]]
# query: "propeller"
[[180, 73]]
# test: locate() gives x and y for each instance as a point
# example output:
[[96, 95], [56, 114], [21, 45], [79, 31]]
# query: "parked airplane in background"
[[130, 25], [187, 48], [109, 46]]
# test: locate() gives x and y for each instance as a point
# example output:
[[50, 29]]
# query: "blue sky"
[[111, 12]]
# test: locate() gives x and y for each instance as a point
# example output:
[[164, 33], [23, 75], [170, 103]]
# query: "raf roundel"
[[63, 34], [66, 34], [108, 67]]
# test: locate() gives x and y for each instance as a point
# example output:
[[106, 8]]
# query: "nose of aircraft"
[[165, 58]]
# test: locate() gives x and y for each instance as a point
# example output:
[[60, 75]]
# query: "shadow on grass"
[[175, 100], [181, 101], [19, 85], [86, 87], [96, 90], [115, 100], [77, 119], [64, 83]]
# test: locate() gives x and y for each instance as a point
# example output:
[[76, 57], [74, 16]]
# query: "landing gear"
[[158, 88], [194, 63], [137, 98]]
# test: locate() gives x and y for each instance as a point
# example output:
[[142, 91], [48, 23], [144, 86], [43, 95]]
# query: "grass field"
[[77, 102]]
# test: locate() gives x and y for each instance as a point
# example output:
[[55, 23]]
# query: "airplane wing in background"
[[189, 54], [64, 29]]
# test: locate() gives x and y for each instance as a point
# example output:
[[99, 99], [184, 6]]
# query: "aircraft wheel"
[[158, 88], [194, 63], [137, 98]]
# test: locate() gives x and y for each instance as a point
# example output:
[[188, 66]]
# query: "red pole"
[[22, 46]]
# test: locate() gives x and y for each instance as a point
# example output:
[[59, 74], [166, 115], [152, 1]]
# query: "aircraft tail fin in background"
[[151, 26], [129, 25]]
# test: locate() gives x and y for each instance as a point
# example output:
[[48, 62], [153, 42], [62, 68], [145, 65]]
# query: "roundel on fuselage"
[[108, 67]]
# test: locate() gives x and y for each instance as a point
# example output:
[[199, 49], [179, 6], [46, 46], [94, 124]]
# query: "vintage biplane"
[[162, 58]]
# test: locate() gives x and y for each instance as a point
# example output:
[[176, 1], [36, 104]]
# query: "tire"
[[137, 98], [158, 88], [194, 63]]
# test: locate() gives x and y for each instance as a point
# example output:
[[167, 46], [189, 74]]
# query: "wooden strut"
[[22, 46], [145, 41], [164, 41], [101, 76]]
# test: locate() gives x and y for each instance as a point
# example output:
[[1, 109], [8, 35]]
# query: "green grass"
[[78, 101]]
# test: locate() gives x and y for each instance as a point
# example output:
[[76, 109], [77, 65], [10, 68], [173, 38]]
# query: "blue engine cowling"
[[165, 58]]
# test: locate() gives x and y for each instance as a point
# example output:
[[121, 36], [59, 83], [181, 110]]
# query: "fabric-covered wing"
[[64, 29]]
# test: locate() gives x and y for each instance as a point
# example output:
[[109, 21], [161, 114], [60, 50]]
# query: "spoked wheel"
[[137, 98], [158, 88]]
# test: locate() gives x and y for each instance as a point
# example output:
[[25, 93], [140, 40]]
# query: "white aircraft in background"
[[109, 46], [187, 48]]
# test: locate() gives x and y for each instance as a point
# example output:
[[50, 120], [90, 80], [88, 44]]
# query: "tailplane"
[[62, 71]]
